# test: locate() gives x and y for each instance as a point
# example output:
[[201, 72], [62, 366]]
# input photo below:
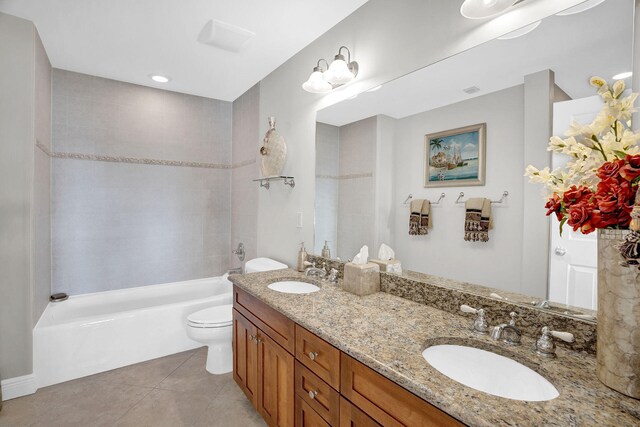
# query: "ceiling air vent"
[[472, 89], [225, 36]]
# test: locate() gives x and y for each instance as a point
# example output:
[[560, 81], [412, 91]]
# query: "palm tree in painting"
[[436, 143]]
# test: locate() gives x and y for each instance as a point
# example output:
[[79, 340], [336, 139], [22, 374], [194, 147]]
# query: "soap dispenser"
[[302, 257], [326, 252]]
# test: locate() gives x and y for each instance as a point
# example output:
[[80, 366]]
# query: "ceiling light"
[[480, 9], [520, 32], [623, 76], [340, 71], [337, 74], [316, 82], [160, 79], [375, 88], [580, 8]]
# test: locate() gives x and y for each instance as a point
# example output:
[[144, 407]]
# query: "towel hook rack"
[[410, 197], [505, 194]]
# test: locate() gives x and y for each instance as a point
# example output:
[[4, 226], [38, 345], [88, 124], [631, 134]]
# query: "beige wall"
[[24, 188], [389, 39]]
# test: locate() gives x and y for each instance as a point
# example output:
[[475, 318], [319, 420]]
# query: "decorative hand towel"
[[425, 217], [414, 218], [477, 220]]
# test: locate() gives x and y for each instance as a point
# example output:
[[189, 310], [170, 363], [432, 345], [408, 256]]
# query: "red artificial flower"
[[631, 170], [614, 200], [610, 169], [580, 216], [554, 205], [576, 195]]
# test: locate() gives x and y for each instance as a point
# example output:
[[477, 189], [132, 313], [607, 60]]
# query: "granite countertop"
[[389, 333]]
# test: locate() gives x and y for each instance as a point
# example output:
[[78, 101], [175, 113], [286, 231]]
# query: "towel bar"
[[505, 194], [410, 197]]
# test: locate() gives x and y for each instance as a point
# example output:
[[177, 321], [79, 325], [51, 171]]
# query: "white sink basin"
[[293, 287], [490, 373]]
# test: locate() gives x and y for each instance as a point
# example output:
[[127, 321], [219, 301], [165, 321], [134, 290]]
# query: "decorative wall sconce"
[[337, 74], [480, 9]]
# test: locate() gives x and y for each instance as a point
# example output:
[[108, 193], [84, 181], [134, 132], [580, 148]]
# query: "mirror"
[[371, 156]]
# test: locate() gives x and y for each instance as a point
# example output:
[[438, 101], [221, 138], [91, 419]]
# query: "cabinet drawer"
[[273, 323], [385, 401], [350, 416], [325, 400], [306, 416], [319, 356]]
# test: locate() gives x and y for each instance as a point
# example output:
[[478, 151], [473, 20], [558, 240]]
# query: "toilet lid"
[[219, 315]]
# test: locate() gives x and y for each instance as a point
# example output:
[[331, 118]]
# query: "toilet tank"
[[263, 264]]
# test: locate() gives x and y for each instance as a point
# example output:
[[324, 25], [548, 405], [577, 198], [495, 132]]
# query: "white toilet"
[[213, 326]]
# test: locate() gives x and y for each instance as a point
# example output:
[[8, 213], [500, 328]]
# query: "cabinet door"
[[245, 356], [275, 383], [306, 416], [350, 416]]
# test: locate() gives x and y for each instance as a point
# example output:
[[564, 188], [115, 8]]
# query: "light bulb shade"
[[316, 83], [338, 72], [480, 9]]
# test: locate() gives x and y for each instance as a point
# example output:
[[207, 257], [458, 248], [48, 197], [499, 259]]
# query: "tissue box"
[[361, 279], [389, 266]]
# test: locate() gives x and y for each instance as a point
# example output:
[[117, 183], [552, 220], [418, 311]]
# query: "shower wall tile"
[[119, 225], [244, 192]]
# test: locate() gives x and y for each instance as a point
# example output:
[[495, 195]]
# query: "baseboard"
[[18, 386]]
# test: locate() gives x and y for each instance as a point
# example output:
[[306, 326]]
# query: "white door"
[[573, 273]]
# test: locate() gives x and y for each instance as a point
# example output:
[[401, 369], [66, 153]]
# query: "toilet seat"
[[212, 317]]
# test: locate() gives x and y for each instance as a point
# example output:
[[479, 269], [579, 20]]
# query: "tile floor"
[[171, 391]]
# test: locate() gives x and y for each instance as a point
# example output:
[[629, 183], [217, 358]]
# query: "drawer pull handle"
[[313, 355], [313, 394]]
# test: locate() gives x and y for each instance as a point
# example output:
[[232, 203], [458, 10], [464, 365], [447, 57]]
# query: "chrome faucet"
[[508, 333], [541, 304], [333, 276], [545, 347], [315, 272], [480, 325]]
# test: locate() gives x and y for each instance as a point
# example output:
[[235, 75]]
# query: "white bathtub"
[[93, 333]]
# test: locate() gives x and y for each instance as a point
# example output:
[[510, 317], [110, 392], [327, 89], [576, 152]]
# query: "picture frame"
[[456, 157]]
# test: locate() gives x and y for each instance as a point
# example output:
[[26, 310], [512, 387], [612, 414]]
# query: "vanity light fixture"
[[582, 7], [481, 9], [623, 76], [159, 79], [316, 82], [338, 73]]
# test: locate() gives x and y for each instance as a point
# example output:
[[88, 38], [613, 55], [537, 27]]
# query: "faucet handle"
[[513, 316], [480, 325], [467, 309], [564, 336]]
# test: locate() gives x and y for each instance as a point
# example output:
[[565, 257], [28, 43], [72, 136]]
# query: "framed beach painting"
[[455, 158]]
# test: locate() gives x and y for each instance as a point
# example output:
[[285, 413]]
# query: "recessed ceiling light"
[[375, 88], [623, 76], [520, 32], [480, 9], [580, 8], [160, 79]]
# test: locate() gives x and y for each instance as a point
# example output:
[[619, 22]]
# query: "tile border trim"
[[139, 160]]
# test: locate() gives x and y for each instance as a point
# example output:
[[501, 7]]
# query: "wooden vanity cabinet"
[[293, 377]]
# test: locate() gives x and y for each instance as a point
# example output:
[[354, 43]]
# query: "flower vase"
[[273, 151], [618, 345]]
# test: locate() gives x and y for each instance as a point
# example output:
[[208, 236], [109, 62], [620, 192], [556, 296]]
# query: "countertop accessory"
[[302, 257], [361, 279], [239, 251], [326, 252], [507, 333], [545, 347], [480, 325], [273, 151]]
